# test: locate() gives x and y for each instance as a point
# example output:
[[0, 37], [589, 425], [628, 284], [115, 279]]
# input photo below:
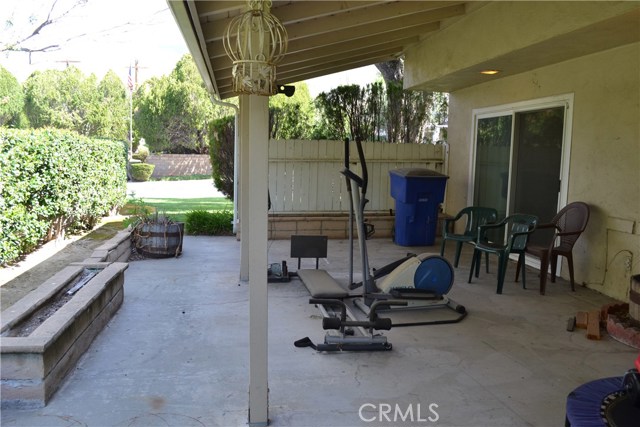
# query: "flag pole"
[[131, 118], [130, 83]]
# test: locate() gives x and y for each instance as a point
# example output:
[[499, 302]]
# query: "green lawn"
[[177, 209]]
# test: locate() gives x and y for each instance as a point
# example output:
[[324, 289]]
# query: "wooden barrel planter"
[[159, 239]]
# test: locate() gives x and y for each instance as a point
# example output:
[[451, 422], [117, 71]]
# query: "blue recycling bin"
[[418, 193]]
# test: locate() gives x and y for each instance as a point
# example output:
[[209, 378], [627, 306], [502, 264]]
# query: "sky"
[[112, 34]]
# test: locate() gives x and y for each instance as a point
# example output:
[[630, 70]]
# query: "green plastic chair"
[[517, 228], [474, 216]]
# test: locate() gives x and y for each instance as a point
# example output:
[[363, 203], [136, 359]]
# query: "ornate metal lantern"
[[255, 41]]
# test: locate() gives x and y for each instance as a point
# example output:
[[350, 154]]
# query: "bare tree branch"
[[18, 45]]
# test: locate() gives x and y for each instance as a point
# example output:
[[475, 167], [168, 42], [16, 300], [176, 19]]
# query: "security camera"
[[287, 90]]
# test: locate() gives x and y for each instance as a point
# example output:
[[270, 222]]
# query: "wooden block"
[[593, 325], [581, 319]]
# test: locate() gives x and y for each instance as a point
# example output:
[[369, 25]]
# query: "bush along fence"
[[52, 181]]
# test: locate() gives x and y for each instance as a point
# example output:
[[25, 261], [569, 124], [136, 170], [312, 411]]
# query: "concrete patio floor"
[[176, 354]]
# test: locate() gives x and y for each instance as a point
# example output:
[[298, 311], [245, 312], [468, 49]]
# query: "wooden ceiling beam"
[[318, 72], [347, 18], [219, 9], [216, 49], [227, 92], [394, 38], [369, 16], [224, 76], [223, 64], [299, 74], [328, 36], [405, 37], [304, 68], [290, 14]]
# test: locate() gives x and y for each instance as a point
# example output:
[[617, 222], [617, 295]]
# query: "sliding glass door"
[[520, 153], [493, 153], [536, 175]]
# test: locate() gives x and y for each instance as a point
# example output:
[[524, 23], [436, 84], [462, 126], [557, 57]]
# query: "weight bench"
[[318, 282], [321, 285], [344, 331]]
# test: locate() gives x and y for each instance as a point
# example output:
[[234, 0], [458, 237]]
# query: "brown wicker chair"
[[569, 224]]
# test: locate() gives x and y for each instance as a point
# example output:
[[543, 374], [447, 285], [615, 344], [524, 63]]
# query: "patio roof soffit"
[[325, 37], [516, 37]]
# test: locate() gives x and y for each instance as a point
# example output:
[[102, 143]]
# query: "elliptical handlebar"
[[346, 153], [363, 164], [361, 181]]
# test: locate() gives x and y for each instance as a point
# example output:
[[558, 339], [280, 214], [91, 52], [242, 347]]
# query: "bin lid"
[[417, 172]]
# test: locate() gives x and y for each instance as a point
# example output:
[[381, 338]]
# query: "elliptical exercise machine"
[[421, 281]]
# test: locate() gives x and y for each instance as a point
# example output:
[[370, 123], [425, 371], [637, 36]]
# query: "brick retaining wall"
[[179, 164], [332, 225]]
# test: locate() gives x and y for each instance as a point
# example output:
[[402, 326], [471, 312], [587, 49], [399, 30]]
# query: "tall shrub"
[[173, 113], [68, 99], [52, 181], [353, 111], [221, 152], [11, 98], [292, 117]]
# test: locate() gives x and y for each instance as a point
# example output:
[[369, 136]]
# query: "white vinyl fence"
[[304, 176]]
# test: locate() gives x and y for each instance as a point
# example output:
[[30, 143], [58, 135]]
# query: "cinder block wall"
[[333, 225], [179, 164]]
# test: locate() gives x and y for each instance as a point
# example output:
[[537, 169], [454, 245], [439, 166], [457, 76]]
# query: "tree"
[[407, 113], [289, 118], [173, 113], [11, 98], [352, 112], [149, 112], [392, 71], [18, 35], [292, 117], [53, 98], [221, 152], [110, 116], [410, 114], [69, 100], [60, 99]]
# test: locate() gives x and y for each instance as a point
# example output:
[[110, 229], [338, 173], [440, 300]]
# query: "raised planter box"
[[34, 365], [118, 248]]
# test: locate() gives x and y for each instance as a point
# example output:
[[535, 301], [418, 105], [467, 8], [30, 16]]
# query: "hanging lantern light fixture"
[[255, 41]]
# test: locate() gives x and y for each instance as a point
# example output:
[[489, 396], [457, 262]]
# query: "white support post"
[[243, 188], [257, 126]]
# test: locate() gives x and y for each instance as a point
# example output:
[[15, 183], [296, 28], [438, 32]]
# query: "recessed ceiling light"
[[489, 72]]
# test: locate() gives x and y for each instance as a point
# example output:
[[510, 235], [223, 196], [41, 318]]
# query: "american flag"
[[130, 80]]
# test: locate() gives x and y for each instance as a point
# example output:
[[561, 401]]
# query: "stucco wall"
[[605, 154], [516, 36]]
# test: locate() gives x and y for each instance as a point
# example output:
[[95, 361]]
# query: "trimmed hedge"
[[141, 153], [141, 171], [52, 181], [202, 222]]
